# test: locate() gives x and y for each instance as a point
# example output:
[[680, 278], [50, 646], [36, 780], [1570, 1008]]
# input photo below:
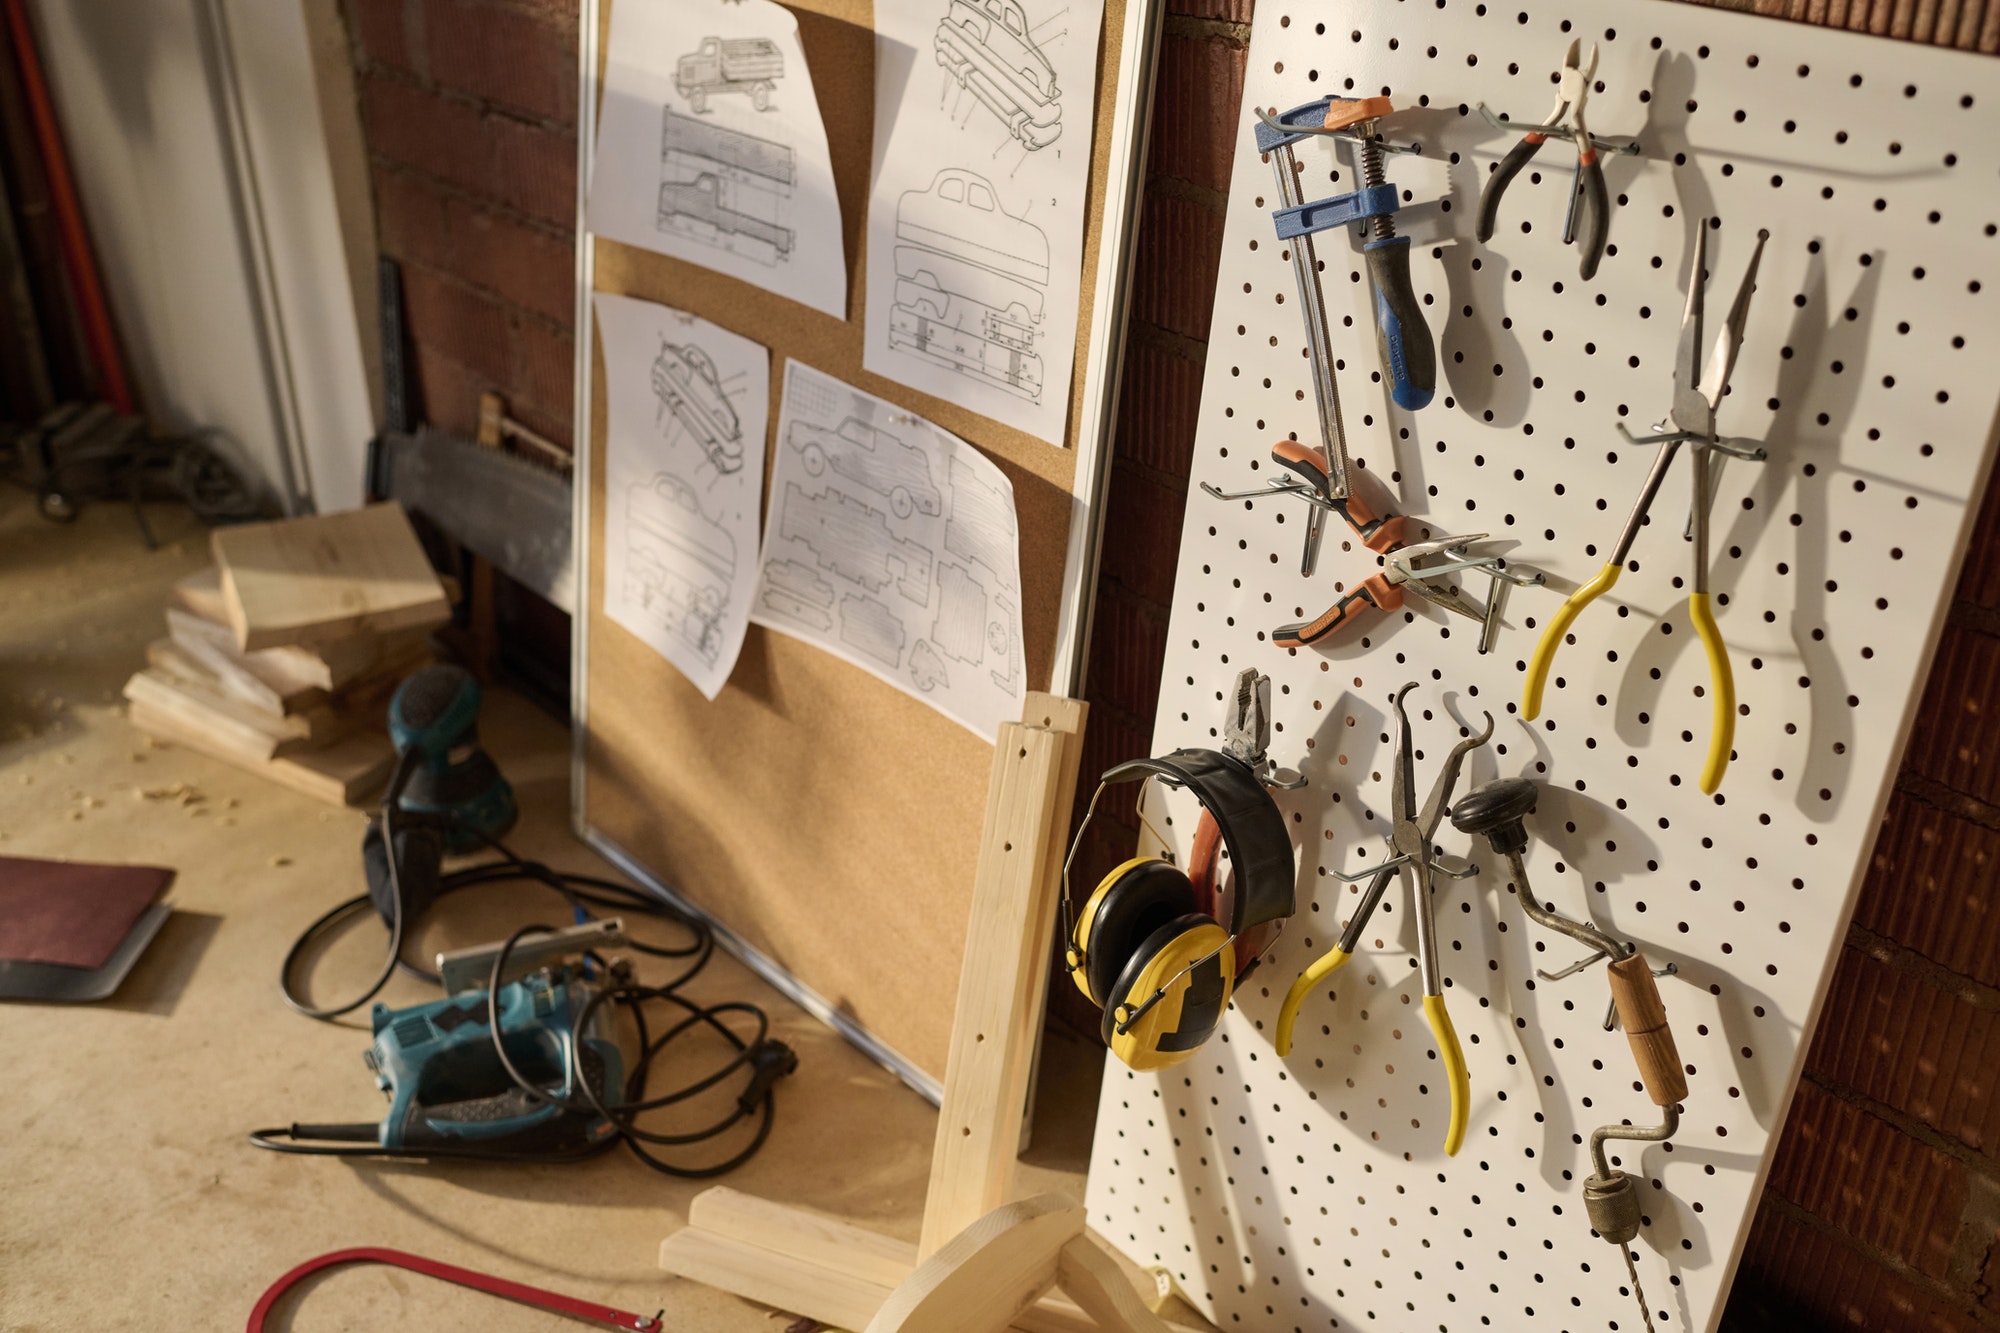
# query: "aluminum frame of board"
[[1103, 357], [1294, 1192]]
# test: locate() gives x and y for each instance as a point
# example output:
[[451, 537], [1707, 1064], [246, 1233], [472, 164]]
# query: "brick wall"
[[469, 108]]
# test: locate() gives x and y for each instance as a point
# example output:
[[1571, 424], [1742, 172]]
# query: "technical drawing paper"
[[686, 404], [975, 227], [711, 149], [893, 545]]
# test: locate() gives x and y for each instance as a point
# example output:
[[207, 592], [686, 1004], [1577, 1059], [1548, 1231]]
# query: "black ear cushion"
[[1128, 977], [1143, 900]]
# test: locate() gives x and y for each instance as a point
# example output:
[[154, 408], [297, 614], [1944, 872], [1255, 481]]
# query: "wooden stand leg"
[[987, 1264]]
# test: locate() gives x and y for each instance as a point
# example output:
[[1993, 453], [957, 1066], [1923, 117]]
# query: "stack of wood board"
[[281, 657]]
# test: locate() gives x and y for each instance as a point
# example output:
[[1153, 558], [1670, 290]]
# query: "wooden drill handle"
[[1644, 1015]]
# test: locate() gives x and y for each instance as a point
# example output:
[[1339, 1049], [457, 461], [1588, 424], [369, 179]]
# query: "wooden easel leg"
[[1088, 1276]]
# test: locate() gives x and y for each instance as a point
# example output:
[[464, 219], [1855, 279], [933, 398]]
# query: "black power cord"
[[766, 1059]]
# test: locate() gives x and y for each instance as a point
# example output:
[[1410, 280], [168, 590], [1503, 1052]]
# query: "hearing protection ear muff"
[[1147, 948]]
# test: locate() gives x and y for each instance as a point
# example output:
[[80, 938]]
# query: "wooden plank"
[[315, 579], [226, 733], [347, 772], [202, 697], [979, 1129], [200, 594], [1066, 716], [808, 1237], [796, 1286], [1091, 1278], [993, 1271], [259, 679]]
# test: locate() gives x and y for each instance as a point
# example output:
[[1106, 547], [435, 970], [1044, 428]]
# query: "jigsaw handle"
[[1644, 1015], [1401, 335]]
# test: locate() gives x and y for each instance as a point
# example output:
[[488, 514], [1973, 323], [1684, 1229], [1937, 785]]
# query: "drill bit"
[[1638, 1292]]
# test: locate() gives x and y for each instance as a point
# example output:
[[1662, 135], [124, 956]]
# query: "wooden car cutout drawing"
[[985, 46], [873, 460], [686, 383]]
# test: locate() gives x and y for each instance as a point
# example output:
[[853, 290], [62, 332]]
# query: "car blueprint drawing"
[[687, 385], [679, 562], [872, 459], [985, 46], [970, 282]]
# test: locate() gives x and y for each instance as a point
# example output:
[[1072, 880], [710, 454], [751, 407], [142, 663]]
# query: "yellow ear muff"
[[1129, 904], [1189, 957]]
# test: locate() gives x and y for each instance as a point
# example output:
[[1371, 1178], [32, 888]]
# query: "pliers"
[[1409, 568], [1589, 217], [1697, 395], [1411, 843]]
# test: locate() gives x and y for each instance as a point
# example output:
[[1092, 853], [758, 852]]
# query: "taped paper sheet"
[[686, 405], [893, 545], [710, 147], [983, 115]]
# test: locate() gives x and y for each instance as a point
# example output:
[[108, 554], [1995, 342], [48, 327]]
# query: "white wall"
[[142, 88]]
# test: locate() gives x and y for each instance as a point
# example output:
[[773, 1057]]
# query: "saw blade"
[[511, 512]]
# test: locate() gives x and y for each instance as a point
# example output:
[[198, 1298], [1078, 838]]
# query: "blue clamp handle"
[[1308, 118], [1339, 211]]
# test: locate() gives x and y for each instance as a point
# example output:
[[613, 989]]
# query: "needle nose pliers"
[[1411, 844], [1589, 218], [1696, 397]]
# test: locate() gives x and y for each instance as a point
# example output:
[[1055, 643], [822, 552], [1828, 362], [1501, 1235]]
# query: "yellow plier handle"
[[1322, 967], [1454, 1069], [1545, 648], [1722, 693]]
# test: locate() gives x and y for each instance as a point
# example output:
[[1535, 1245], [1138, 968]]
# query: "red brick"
[[1180, 248], [1930, 887], [510, 57], [410, 219], [1225, 11], [1956, 739], [460, 323], [1157, 408], [533, 269], [390, 32], [1128, 644], [1980, 581], [448, 391], [544, 368], [1198, 110], [1142, 535], [1913, 1047], [1817, 1281], [1866, 1177], [551, 425], [419, 129], [534, 170]]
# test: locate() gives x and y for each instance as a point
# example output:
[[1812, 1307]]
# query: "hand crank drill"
[[1610, 1198]]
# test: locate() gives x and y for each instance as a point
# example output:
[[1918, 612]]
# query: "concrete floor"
[[131, 1198]]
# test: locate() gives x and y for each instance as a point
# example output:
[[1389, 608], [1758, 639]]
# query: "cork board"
[[829, 822]]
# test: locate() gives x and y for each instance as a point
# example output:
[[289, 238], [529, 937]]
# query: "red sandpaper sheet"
[[72, 913]]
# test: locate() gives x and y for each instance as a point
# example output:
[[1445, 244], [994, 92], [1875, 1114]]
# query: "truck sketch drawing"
[[727, 189], [985, 46], [982, 525], [751, 65], [960, 627], [970, 279], [873, 460], [687, 385], [794, 591], [679, 563]]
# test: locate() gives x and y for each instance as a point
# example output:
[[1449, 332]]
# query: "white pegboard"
[[1313, 1193]]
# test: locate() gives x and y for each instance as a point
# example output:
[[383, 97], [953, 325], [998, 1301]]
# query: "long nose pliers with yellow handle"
[[1693, 424], [1410, 845]]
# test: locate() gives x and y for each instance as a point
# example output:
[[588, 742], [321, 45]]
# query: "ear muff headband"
[[1253, 831]]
